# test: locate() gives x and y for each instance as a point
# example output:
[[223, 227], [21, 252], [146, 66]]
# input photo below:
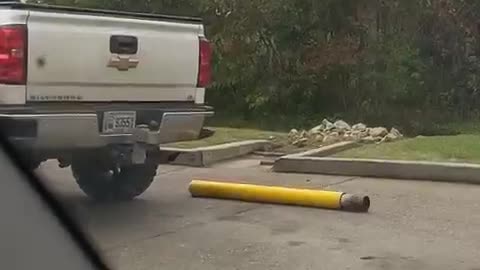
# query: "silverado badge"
[[123, 62]]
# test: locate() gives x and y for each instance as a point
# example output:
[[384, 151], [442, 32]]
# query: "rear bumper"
[[82, 129]]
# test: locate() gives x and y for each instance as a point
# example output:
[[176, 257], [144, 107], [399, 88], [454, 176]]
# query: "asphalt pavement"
[[411, 224]]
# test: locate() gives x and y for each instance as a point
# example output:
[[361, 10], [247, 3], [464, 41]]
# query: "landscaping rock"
[[317, 130], [396, 133], [302, 142], [329, 133], [364, 134], [328, 125], [332, 138], [348, 138], [319, 138], [359, 135], [355, 132], [359, 127], [389, 138], [293, 135], [342, 126], [378, 132], [371, 139]]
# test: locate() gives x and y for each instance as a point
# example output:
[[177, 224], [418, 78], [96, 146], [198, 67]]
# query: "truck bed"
[[99, 12], [88, 55]]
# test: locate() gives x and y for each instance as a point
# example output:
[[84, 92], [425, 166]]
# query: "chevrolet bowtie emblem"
[[123, 62]]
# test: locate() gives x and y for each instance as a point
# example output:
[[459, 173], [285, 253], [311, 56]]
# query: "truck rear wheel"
[[118, 184]]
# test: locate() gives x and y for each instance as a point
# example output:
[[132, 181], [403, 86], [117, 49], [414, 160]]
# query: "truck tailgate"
[[70, 58]]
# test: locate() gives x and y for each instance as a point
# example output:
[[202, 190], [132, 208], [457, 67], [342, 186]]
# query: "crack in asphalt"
[[342, 182]]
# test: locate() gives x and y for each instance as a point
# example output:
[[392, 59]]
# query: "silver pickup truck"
[[101, 90]]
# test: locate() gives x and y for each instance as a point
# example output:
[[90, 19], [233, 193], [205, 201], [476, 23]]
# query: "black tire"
[[100, 183]]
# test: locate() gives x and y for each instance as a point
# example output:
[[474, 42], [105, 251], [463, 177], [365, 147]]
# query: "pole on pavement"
[[280, 195]]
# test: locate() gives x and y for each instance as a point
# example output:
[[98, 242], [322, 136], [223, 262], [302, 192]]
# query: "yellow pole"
[[279, 195]]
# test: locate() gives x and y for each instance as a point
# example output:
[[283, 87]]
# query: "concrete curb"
[[319, 152], [206, 156], [327, 150], [433, 171]]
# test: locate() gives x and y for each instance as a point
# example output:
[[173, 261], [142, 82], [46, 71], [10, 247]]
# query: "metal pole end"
[[355, 203]]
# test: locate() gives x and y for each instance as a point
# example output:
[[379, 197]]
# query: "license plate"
[[119, 121]]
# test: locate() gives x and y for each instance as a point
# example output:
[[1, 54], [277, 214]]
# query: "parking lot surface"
[[411, 224]]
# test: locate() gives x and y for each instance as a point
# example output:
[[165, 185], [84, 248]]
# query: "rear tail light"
[[13, 45], [204, 64]]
